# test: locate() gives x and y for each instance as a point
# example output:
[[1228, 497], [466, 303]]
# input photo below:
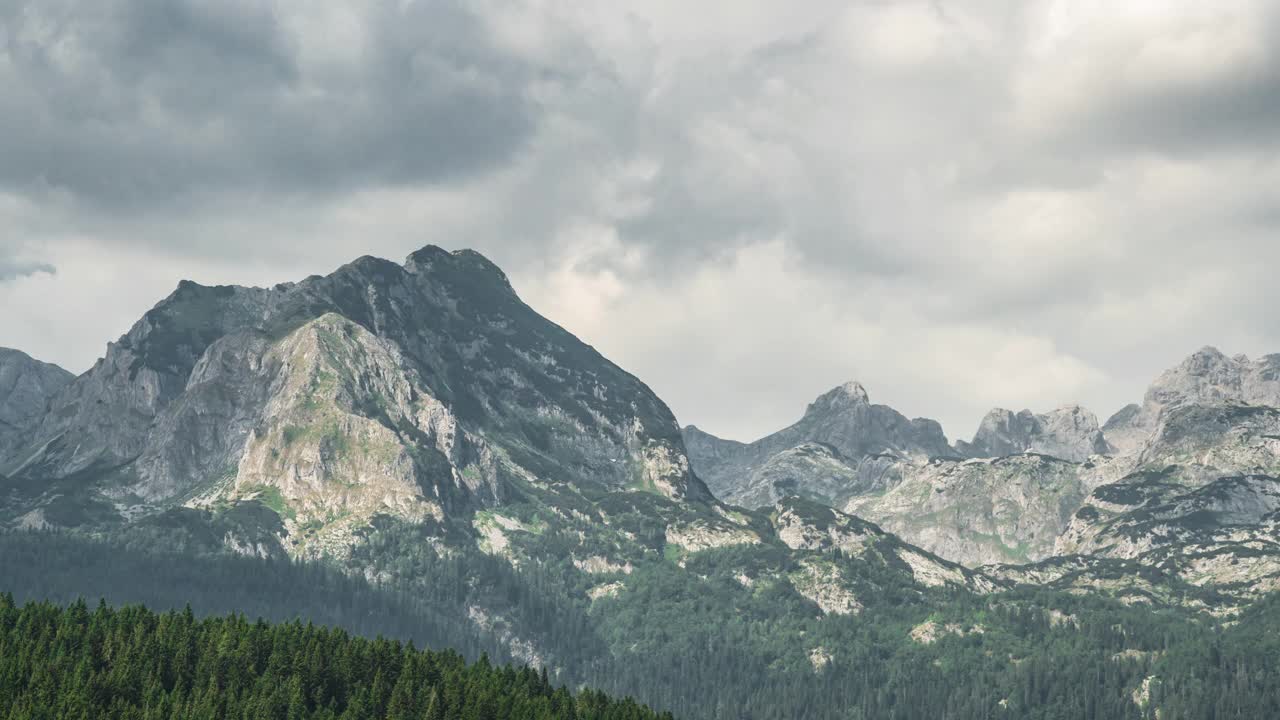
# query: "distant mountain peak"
[[1069, 432], [432, 257], [1206, 361], [862, 440], [848, 395], [855, 390], [1208, 351]]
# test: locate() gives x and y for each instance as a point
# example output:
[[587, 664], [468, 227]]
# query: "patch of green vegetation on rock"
[[270, 496]]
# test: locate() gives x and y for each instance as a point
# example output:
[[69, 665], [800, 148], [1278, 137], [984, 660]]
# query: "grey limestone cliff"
[[1069, 432], [26, 387]]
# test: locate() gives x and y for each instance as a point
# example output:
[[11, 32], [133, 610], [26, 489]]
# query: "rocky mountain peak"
[[1206, 377], [1069, 432], [850, 395], [845, 419], [432, 260], [855, 391], [379, 357]]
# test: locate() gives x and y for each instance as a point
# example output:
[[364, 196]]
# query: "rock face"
[[1145, 511], [26, 386], [979, 512], [869, 460], [811, 469], [845, 419], [1150, 539], [382, 388], [1122, 431], [1206, 442], [843, 445], [1069, 433], [805, 526]]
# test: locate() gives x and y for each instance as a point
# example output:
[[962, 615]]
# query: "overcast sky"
[[1020, 203]]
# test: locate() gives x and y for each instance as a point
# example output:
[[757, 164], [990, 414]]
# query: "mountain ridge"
[[857, 433], [1030, 482]]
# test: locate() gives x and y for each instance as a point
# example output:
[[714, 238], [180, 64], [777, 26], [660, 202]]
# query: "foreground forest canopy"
[[132, 663]]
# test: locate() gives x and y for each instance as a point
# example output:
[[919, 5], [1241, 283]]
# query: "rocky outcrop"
[[102, 421], [1208, 377], [1146, 511], [1122, 431], [812, 470], [807, 526], [842, 446], [1070, 433], [823, 583], [1171, 549], [1197, 444], [978, 512], [26, 387]]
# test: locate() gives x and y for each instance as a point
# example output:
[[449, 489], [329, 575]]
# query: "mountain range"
[[1192, 468], [392, 420]]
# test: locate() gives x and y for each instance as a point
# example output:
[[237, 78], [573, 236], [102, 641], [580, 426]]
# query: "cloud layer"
[[962, 204]]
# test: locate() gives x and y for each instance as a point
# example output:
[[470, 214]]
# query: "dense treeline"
[[132, 663], [63, 568], [691, 641]]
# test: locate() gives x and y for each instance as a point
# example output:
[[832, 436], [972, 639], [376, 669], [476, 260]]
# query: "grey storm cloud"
[[128, 104], [1217, 93], [962, 203]]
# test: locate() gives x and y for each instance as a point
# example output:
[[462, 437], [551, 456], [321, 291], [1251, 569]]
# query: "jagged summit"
[[470, 262], [1208, 376], [1070, 432], [851, 392], [845, 419]]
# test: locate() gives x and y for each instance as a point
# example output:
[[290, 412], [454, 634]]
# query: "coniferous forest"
[[132, 663]]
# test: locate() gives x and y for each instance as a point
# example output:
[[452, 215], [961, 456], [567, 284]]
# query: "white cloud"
[[712, 342]]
